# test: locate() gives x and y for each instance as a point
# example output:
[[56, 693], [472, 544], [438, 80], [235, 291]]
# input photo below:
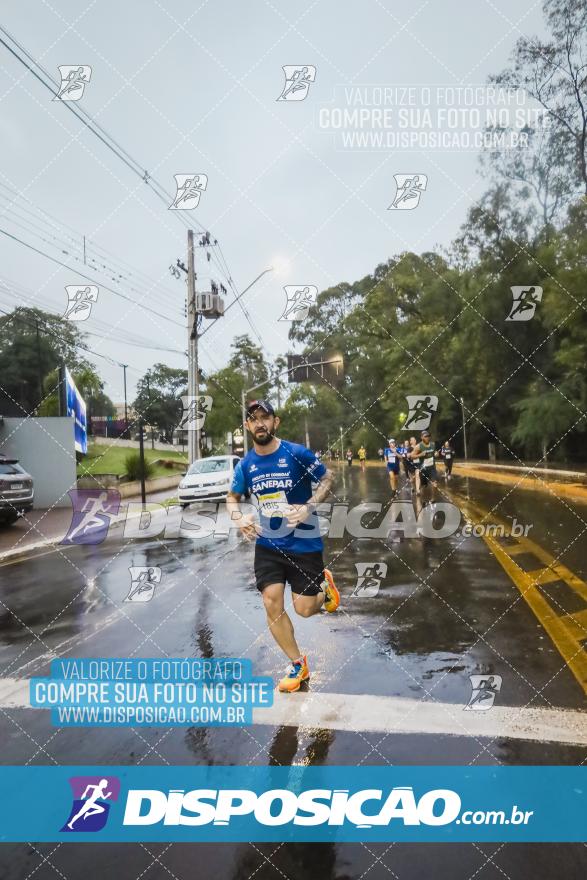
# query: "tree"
[[554, 73], [248, 360], [539, 170], [246, 367], [33, 343], [158, 397], [280, 378], [225, 387]]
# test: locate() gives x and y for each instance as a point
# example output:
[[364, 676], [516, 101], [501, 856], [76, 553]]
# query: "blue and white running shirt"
[[286, 476]]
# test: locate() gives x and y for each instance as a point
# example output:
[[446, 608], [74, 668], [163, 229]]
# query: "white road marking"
[[356, 712], [14, 693], [391, 715]]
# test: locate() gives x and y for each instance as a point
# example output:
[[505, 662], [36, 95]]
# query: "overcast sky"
[[192, 87]]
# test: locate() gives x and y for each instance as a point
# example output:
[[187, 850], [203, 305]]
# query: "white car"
[[207, 479]]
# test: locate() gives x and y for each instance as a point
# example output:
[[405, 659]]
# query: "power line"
[[82, 115], [89, 278], [14, 316], [107, 333], [66, 245], [36, 322]]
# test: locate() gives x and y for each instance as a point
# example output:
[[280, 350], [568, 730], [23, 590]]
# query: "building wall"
[[119, 407], [45, 448]]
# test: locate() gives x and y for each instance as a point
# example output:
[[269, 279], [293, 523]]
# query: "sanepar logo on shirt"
[[364, 809]]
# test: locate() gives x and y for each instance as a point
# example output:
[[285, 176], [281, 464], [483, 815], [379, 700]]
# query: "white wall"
[[45, 448]]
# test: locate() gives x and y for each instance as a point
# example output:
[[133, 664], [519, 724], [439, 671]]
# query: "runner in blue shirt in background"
[[392, 460]]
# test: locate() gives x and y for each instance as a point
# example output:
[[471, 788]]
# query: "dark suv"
[[16, 491]]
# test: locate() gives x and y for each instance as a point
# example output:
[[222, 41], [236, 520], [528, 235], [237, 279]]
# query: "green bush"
[[171, 463], [132, 464]]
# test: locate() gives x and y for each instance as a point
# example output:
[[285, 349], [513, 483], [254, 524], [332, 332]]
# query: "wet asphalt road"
[[445, 610]]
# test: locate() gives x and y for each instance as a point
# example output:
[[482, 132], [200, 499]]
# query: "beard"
[[263, 438]]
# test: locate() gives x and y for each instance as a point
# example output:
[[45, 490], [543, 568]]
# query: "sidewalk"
[[40, 529], [573, 490]]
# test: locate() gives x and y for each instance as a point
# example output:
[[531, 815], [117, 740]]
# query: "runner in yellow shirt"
[[362, 457]]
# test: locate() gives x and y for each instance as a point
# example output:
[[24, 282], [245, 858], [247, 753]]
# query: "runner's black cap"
[[425, 434], [260, 404]]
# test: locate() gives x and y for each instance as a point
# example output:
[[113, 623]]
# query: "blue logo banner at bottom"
[[221, 804]]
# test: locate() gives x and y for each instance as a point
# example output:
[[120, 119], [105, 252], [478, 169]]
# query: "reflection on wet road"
[[444, 610]]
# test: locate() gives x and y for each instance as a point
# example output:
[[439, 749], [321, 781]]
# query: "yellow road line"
[[25, 557], [544, 575], [577, 623], [567, 631]]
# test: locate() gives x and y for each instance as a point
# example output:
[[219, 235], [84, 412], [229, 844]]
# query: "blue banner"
[[220, 804]]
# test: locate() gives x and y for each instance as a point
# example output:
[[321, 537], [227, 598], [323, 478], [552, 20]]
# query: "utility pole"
[[244, 419], [464, 429], [124, 366], [193, 336], [306, 431], [142, 461], [39, 367], [196, 432], [62, 393], [193, 383], [149, 405]]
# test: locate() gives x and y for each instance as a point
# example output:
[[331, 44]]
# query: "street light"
[[194, 337], [236, 299], [464, 428]]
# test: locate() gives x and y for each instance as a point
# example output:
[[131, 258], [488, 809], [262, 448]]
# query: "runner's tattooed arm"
[[300, 512], [323, 489]]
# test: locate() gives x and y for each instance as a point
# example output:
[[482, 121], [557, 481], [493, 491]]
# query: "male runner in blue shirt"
[[392, 459], [287, 481]]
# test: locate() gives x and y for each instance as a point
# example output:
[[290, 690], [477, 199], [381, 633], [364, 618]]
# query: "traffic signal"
[[319, 367]]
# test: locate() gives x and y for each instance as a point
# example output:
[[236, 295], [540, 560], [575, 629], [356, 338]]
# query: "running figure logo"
[[297, 82], [80, 300], [92, 511], [90, 808], [483, 691], [409, 189], [420, 412], [143, 580], [300, 298], [74, 79], [189, 188], [195, 410], [525, 300], [369, 577]]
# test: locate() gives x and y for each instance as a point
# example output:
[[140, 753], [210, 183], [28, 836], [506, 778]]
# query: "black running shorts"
[[429, 475], [304, 572]]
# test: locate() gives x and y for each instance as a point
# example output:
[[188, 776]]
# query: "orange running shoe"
[[332, 600], [297, 673]]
